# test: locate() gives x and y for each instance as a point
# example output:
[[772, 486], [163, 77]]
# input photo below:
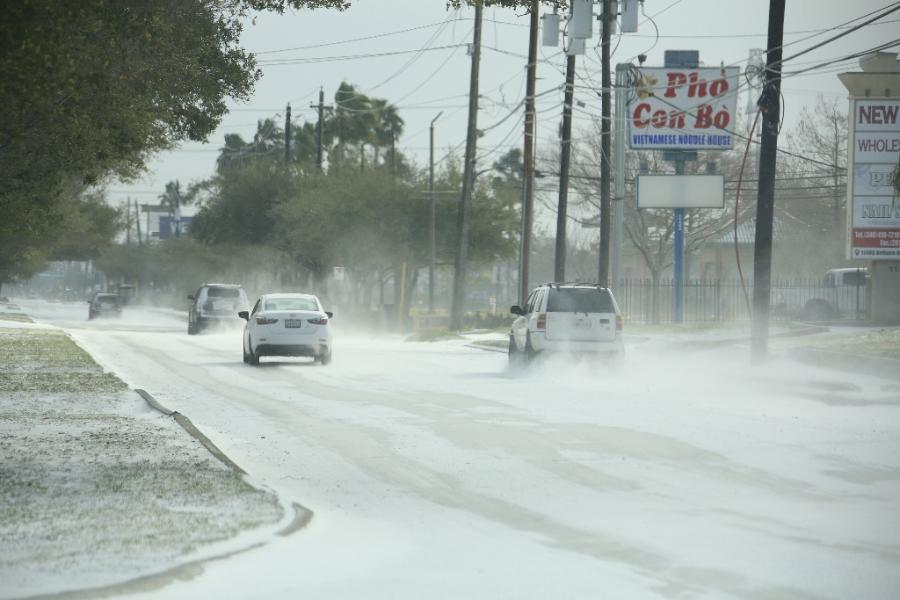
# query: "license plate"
[[583, 324], [293, 323]]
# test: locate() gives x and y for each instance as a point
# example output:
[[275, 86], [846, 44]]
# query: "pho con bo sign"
[[683, 109], [873, 208]]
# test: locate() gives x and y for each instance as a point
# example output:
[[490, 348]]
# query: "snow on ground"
[[97, 488], [433, 472]]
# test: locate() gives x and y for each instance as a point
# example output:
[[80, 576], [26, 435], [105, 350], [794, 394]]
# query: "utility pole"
[[606, 20], [137, 221], [559, 266], [770, 104], [619, 165], [128, 223], [287, 134], [528, 154], [462, 223], [320, 126], [431, 223]]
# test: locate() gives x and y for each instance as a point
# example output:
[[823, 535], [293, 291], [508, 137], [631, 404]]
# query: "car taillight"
[[319, 321], [542, 322], [620, 323], [265, 320]]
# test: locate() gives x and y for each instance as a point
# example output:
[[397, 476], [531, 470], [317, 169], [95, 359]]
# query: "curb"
[[487, 348], [188, 426], [701, 344], [877, 366]]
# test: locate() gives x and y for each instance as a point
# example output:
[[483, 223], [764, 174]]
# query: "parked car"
[[575, 318], [843, 293], [104, 305], [215, 303], [287, 325]]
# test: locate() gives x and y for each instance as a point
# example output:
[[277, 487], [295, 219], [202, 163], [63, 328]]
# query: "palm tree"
[[388, 126]]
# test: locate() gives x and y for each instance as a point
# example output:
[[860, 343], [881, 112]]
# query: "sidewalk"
[[96, 487]]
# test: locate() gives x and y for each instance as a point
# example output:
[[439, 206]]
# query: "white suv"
[[575, 318]]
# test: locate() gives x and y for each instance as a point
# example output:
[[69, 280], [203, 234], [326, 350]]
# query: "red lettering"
[[704, 117], [676, 80], [718, 87], [659, 119], [721, 119], [697, 87], [638, 119], [676, 120]]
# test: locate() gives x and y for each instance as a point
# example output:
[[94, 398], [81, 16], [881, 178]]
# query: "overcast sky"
[[413, 54]]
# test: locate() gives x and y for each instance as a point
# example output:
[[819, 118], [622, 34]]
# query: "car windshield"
[[582, 300], [221, 292], [291, 304]]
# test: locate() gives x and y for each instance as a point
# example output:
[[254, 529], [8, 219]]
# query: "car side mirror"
[[245, 315], [330, 314], [190, 297], [516, 310]]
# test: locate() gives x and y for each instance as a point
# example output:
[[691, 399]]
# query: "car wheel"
[[192, 329], [325, 358], [530, 353], [244, 352], [252, 357], [514, 355]]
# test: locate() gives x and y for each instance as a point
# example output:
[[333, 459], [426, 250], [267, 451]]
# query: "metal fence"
[[643, 301]]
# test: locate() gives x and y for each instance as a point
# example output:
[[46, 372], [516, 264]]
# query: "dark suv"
[[216, 303], [103, 304]]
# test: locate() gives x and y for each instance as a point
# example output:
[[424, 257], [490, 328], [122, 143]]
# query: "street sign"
[[873, 208], [680, 191], [680, 108]]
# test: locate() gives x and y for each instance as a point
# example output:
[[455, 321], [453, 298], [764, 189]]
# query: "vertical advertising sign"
[[683, 109], [873, 209]]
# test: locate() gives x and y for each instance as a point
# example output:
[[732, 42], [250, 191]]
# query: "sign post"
[[873, 208]]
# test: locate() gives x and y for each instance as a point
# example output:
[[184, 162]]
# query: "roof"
[[746, 233], [288, 295]]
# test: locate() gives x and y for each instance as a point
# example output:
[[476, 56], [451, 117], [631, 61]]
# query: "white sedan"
[[287, 325]]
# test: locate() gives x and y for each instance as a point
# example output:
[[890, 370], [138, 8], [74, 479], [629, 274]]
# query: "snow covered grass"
[[95, 486]]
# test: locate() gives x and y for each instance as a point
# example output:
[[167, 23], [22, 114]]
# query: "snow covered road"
[[432, 472]]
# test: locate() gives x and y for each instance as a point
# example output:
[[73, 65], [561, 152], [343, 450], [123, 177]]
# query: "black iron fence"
[[643, 301]]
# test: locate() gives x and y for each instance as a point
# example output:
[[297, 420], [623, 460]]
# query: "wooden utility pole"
[[287, 134], [606, 83], [457, 308], [528, 154], [128, 223], [770, 104], [320, 126], [559, 267], [137, 220]]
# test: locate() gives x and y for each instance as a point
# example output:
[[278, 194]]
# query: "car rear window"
[[218, 292], [291, 304], [579, 300]]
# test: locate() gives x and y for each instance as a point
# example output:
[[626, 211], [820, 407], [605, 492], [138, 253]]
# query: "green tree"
[[91, 88]]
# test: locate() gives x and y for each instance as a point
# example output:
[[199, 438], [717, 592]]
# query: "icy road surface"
[[435, 474]]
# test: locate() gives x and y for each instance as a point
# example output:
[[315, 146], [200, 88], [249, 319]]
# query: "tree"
[[91, 89]]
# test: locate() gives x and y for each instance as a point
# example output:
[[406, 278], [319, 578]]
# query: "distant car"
[[566, 318], [104, 305], [287, 325], [215, 303]]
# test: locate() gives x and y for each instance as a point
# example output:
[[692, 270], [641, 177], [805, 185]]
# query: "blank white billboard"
[[680, 191]]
